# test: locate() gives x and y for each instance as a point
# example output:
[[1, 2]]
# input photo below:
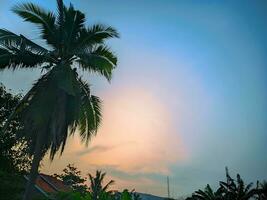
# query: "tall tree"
[[60, 102], [96, 185], [71, 176]]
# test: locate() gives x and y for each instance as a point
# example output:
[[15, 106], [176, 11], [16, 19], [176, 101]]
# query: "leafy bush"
[[11, 186], [125, 195]]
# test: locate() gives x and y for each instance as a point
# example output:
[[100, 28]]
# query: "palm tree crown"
[[96, 184], [208, 194], [237, 189], [60, 101]]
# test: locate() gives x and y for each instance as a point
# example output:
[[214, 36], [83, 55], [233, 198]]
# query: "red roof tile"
[[56, 184], [46, 187], [50, 184]]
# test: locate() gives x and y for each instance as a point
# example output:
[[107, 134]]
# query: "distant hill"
[[150, 197], [153, 197]]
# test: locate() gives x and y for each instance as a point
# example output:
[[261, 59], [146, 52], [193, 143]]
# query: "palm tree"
[[207, 194], [237, 190], [262, 190], [96, 185], [60, 101]]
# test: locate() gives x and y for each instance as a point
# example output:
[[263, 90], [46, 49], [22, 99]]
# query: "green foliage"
[[70, 196], [208, 194], [96, 185], [11, 186], [125, 195], [97, 190], [231, 189], [71, 176], [14, 155]]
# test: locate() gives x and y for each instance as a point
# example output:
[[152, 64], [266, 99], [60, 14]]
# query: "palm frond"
[[74, 22], [90, 113], [111, 182], [200, 195], [94, 35], [49, 107], [8, 38], [60, 13], [16, 58], [29, 115], [64, 115], [100, 60], [39, 16]]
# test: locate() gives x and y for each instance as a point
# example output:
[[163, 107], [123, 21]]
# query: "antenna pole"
[[168, 187]]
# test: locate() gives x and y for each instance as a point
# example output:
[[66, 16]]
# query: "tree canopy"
[[14, 155]]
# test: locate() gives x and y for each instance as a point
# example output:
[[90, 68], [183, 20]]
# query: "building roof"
[[46, 184], [55, 185]]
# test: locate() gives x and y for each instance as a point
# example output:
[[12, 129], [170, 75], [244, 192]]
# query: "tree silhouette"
[[71, 176], [236, 189], [231, 190], [14, 156], [262, 190], [208, 194], [60, 102], [96, 185]]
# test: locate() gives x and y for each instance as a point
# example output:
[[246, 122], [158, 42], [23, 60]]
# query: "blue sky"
[[197, 70]]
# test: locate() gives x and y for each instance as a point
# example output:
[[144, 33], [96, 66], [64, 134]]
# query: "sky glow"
[[187, 99]]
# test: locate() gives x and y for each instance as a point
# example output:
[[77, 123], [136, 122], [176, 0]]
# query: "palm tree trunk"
[[34, 168]]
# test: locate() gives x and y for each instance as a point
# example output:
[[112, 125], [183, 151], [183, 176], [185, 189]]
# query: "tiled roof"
[[48, 184], [55, 184], [44, 186]]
